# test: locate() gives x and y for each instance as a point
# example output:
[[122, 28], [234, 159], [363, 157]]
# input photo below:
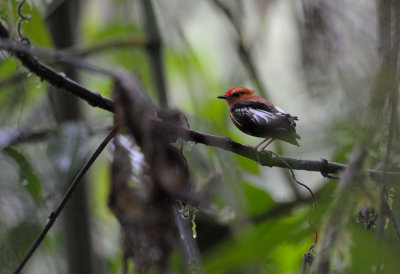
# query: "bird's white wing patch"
[[259, 115], [280, 110]]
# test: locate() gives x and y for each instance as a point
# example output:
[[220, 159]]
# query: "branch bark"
[[95, 99], [58, 79], [340, 211], [62, 20], [55, 213], [155, 52]]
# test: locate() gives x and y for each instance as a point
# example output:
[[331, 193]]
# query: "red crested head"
[[239, 90], [236, 95]]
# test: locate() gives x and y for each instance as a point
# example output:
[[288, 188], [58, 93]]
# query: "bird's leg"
[[263, 141], [270, 141]]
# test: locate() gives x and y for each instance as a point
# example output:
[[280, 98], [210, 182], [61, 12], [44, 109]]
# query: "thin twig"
[[307, 257], [187, 242], [96, 99], [59, 79], [396, 227], [12, 137], [155, 52], [244, 54], [116, 43], [21, 19], [340, 210], [55, 213], [59, 56], [389, 51], [294, 178], [14, 79]]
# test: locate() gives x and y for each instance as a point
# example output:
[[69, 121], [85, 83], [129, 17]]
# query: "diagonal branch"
[[58, 55], [95, 99], [244, 53], [155, 52], [59, 79], [54, 214], [117, 43], [340, 211]]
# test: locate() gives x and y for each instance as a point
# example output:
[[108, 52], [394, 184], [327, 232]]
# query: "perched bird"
[[258, 117]]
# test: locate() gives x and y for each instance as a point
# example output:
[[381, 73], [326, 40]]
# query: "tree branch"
[[244, 53], [54, 214], [58, 56], [95, 99], [266, 159], [59, 79], [248, 61], [340, 211], [155, 53], [125, 41]]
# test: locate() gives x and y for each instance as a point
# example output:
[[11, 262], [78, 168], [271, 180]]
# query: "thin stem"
[[389, 51], [187, 242], [155, 52], [244, 53], [55, 213], [307, 257], [99, 46], [59, 56], [22, 18], [340, 211]]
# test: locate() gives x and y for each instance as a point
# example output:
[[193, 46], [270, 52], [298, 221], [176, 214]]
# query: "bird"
[[258, 117]]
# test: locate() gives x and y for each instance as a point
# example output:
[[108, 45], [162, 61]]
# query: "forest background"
[[204, 204]]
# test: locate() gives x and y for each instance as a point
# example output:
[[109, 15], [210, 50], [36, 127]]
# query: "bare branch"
[[58, 79], [389, 53], [125, 41], [187, 241], [95, 99], [155, 52], [54, 214], [59, 56], [244, 53], [266, 159], [339, 212]]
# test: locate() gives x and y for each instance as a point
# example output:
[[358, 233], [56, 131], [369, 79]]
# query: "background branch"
[[55, 213], [95, 99], [340, 212], [155, 52], [120, 42], [59, 79]]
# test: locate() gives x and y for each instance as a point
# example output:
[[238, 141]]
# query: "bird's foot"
[[267, 152]]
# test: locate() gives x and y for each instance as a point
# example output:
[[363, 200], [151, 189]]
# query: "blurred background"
[[318, 60]]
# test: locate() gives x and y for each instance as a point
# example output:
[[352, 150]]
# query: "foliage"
[[316, 60]]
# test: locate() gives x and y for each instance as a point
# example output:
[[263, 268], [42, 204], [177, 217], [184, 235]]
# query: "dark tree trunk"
[[62, 21]]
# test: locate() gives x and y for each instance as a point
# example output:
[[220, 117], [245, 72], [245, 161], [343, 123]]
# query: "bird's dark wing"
[[260, 120]]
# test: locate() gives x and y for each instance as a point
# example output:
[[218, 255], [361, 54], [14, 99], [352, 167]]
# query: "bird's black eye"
[[237, 94]]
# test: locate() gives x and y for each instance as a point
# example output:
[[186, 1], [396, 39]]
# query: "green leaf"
[[255, 247], [247, 164], [28, 179], [258, 200]]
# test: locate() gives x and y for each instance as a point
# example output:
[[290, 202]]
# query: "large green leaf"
[[258, 200], [255, 248], [28, 179]]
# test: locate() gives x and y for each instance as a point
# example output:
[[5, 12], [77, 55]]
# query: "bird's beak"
[[222, 97]]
